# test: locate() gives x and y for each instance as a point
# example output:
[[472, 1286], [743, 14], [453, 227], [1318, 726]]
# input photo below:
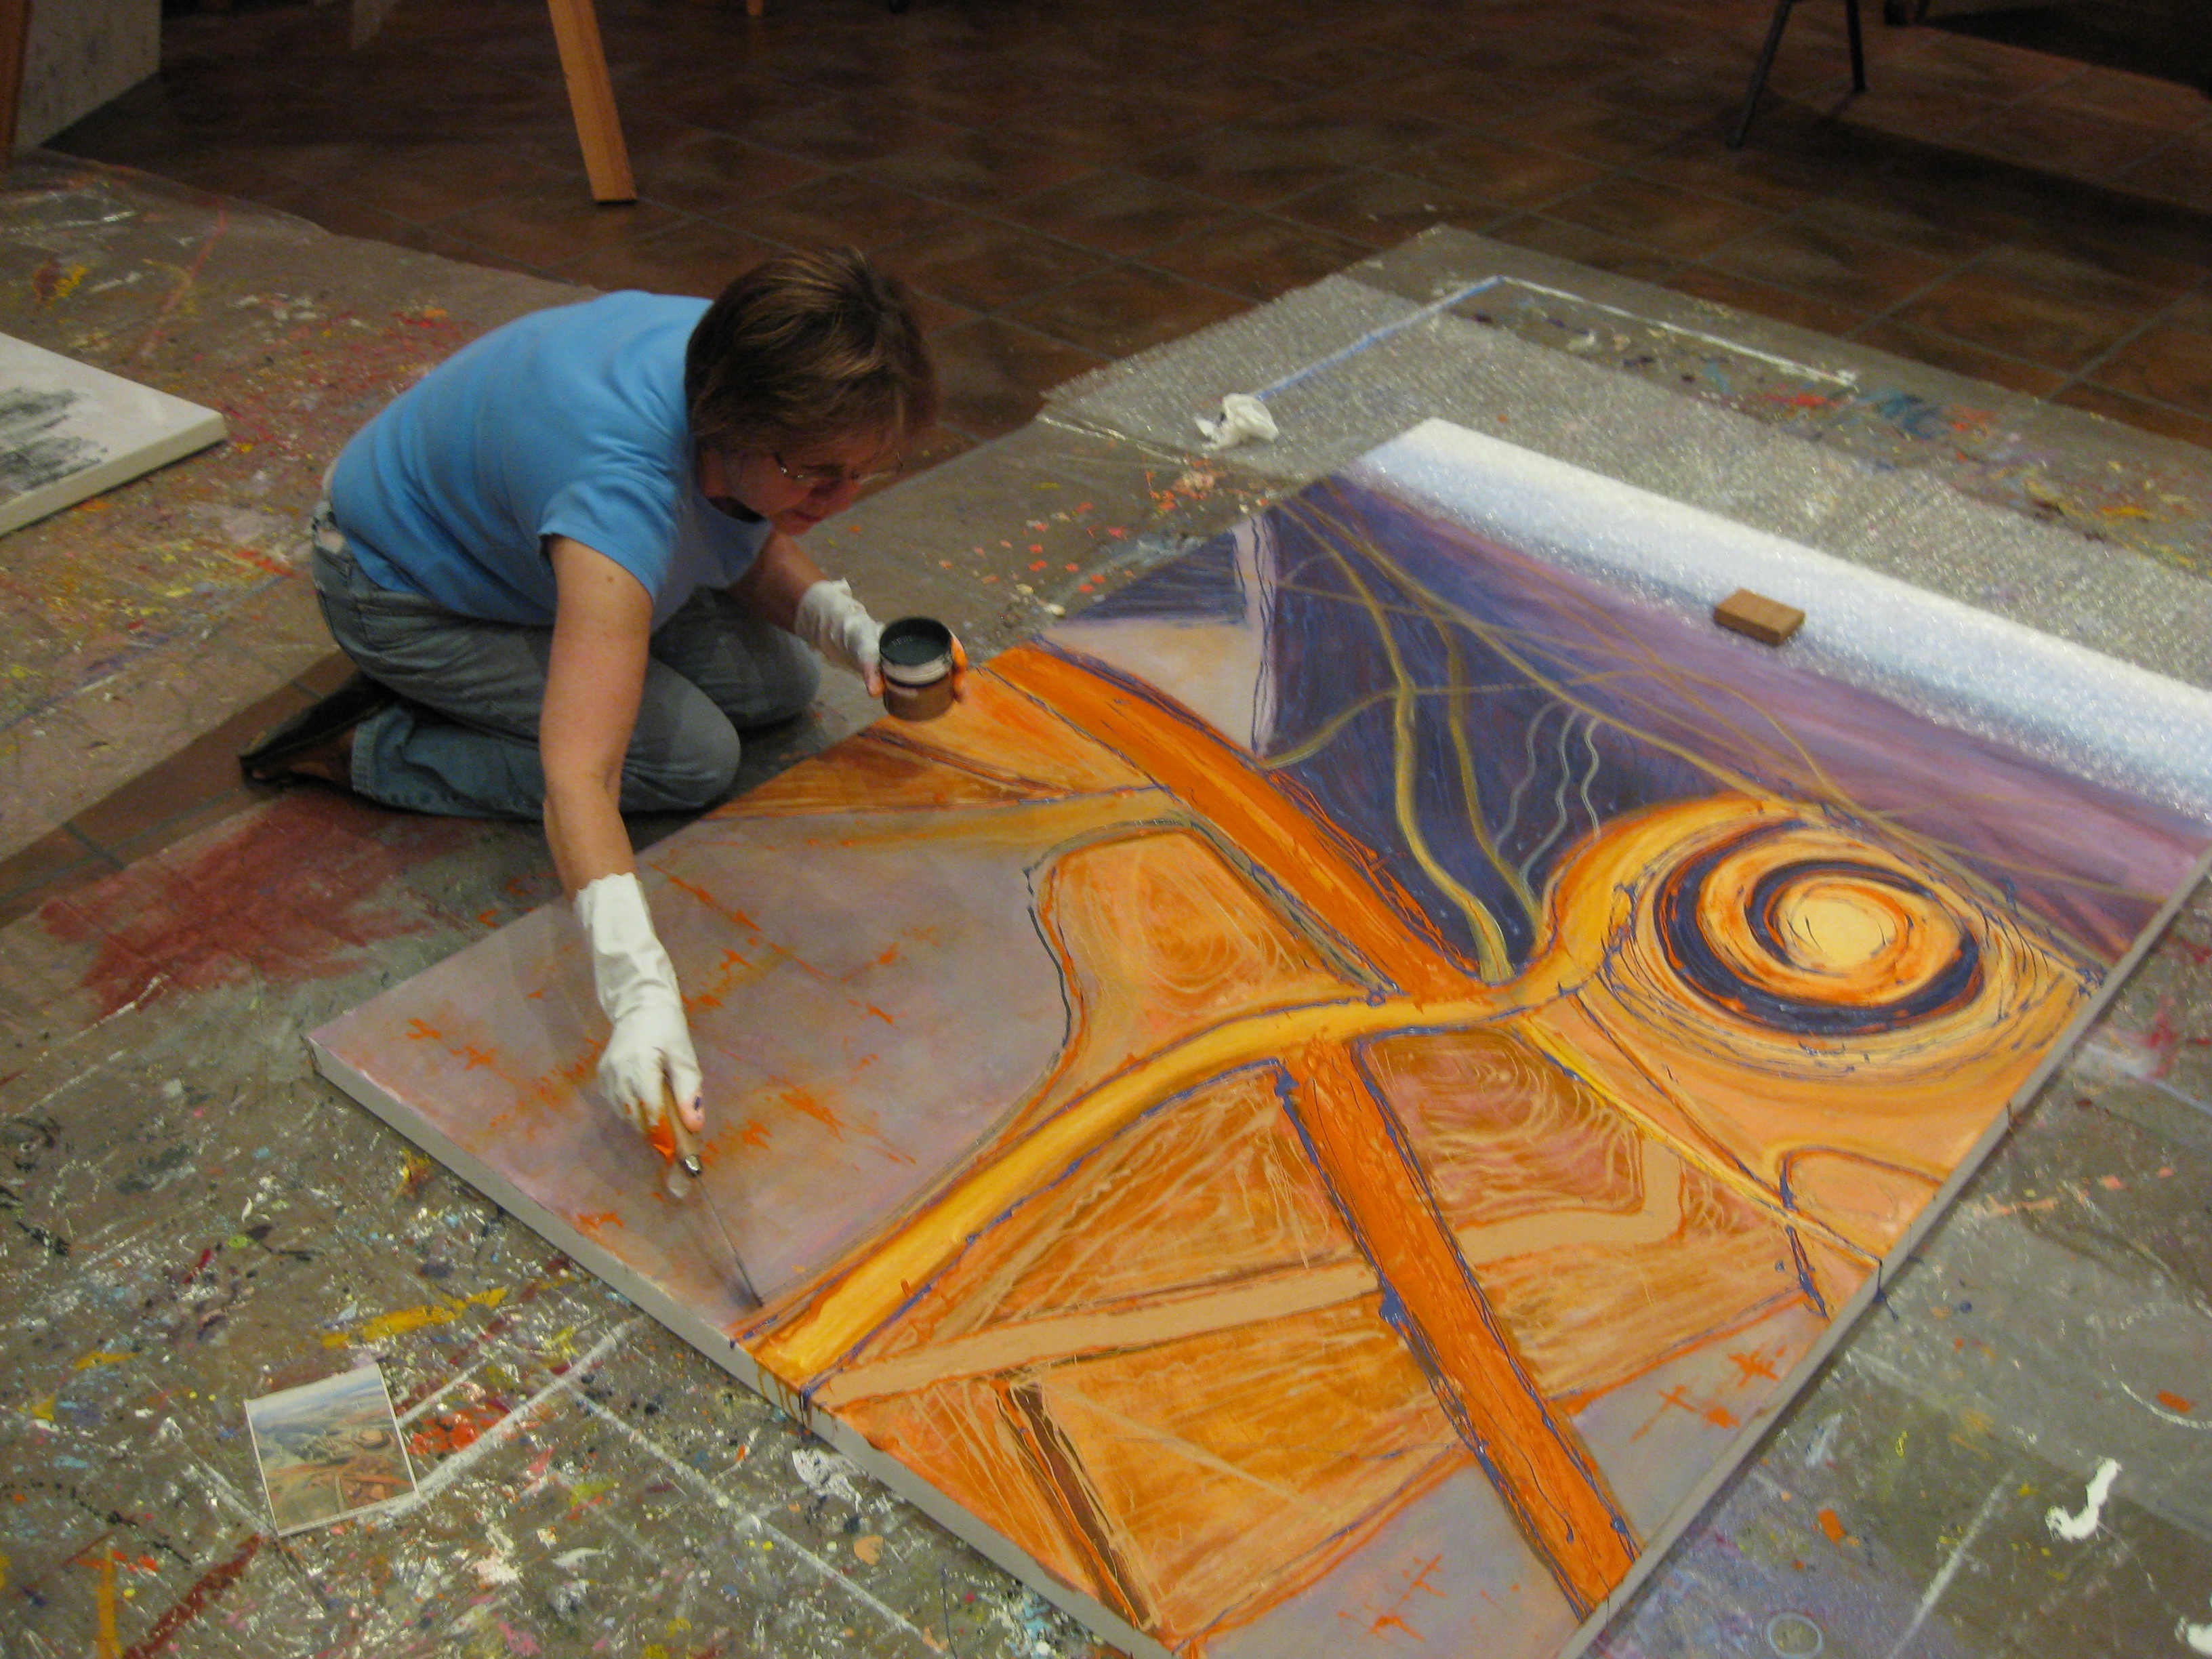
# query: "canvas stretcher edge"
[[49, 499]]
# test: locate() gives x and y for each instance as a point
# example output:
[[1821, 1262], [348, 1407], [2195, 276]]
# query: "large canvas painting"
[[1333, 1098]]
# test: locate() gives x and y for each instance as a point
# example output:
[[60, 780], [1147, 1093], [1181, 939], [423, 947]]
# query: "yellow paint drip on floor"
[[400, 1323], [101, 1356]]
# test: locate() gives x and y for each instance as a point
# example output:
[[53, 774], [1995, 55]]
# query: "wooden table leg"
[[15, 32], [592, 96]]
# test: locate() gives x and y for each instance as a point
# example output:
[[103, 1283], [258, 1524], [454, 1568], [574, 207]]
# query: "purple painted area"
[[1580, 704]]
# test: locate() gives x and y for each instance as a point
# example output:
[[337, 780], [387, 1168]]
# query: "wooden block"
[[1768, 621]]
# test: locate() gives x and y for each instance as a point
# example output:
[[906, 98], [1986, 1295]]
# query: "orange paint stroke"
[[805, 1103], [1752, 1365], [2174, 1402], [1676, 1397], [1832, 1525], [728, 912], [1316, 863], [1544, 1474]]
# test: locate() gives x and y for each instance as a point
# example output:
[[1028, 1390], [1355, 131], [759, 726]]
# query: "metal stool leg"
[[1766, 64], [1858, 45]]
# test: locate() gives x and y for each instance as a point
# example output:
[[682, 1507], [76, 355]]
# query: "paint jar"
[[915, 657]]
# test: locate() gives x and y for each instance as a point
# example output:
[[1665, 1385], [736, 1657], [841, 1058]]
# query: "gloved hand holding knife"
[[648, 1070]]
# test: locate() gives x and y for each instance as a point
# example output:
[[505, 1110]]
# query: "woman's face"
[[796, 486]]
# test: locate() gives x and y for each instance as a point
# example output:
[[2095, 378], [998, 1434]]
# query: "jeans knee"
[[701, 773], [790, 691]]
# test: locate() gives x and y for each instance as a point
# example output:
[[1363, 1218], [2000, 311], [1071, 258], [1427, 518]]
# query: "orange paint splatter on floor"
[[1832, 1525], [2174, 1402], [450, 1431]]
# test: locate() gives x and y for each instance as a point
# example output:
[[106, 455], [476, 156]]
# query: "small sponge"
[[1768, 621]]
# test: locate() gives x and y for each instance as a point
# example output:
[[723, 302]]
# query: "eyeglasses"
[[822, 480]]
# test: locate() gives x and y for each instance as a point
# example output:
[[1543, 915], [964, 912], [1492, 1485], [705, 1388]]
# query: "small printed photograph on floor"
[[329, 1449]]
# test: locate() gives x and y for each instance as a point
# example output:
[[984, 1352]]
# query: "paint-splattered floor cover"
[[1334, 1099]]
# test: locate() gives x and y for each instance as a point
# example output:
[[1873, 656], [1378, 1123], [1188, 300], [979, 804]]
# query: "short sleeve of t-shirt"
[[567, 422]]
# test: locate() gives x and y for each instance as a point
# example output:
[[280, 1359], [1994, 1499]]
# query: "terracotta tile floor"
[[1070, 181]]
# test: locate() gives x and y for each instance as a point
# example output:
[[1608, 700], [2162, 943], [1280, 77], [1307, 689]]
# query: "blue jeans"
[[462, 739]]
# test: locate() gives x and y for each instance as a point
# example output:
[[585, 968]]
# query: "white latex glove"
[[650, 1043], [839, 626]]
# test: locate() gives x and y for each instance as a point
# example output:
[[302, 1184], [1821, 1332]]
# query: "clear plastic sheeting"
[[1910, 524]]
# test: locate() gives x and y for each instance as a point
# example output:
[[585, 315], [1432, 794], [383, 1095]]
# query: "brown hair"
[[805, 347]]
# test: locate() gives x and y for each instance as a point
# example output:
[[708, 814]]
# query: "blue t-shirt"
[[567, 422]]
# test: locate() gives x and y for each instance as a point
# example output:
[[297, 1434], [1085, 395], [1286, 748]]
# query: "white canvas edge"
[[49, 499], [724, 1351]]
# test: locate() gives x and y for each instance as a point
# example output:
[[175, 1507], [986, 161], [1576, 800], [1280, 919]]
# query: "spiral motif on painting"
[[1814, 941], [1797, 943]]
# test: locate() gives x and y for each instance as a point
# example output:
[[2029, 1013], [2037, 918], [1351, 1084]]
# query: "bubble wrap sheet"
[[1909, 524], [2091, 713]]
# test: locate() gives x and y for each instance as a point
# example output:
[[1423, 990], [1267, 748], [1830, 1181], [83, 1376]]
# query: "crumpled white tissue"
[[1242, 417]]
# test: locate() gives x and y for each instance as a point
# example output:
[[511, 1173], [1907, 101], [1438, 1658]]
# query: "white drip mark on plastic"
[[1823, 1440], [2159, 1411], [747, 1519], [2196, 1638], [826, 1473], [2076, 1527], [445, 1389], [88, 1073], [1948, 1571], [513, 1423], [1376, 335], [1734, 348]]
